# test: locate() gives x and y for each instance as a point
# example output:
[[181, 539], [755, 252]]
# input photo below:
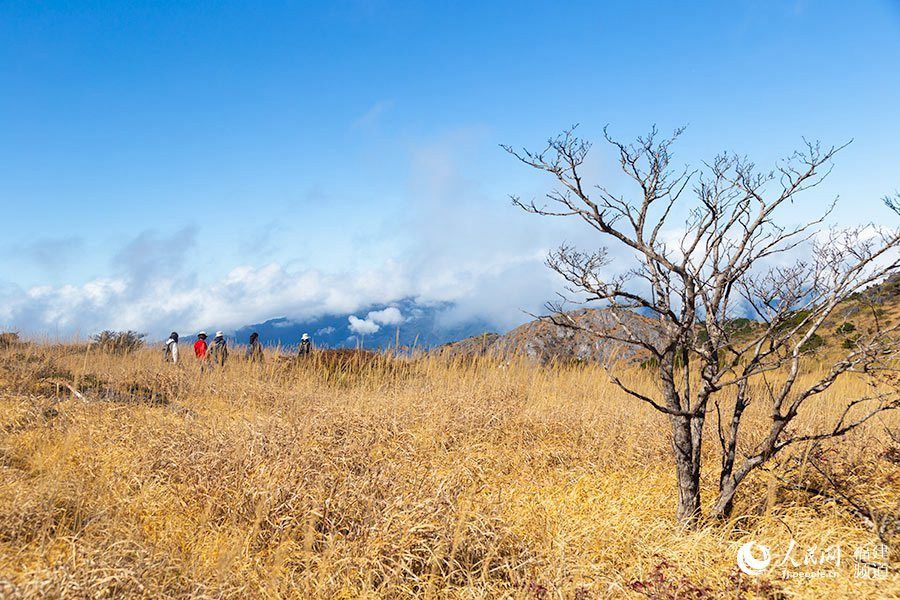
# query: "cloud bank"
[[160, 302], [375, 320], [456, 243]]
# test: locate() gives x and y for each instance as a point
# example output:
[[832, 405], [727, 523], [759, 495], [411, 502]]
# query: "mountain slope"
[[545, 342], [542, 341]]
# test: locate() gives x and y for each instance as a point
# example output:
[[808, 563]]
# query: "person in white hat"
[[218, 353], [200, 346], [305, 345]]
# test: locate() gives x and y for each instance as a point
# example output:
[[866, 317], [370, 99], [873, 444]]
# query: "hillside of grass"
[[359, 475]]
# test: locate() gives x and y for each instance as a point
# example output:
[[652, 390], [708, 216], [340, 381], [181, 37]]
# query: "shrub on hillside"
[[812, 344], [738, 326], [119, 341], [850, 342], [9, 339], [845, 328], [792, 320]]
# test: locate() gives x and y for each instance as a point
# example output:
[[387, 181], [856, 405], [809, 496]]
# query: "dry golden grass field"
[[395, 478]]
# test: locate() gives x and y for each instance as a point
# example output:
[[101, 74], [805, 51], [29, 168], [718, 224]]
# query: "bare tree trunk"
[[724, 503], [730, 480], [727, 484], [721, 509], [686, 432]]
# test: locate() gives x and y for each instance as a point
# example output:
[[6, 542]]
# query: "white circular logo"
[[749, 563]]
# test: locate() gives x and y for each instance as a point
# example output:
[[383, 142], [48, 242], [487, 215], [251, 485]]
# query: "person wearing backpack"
[[255, 350], [218, 353], [305, 345], [170, 353]]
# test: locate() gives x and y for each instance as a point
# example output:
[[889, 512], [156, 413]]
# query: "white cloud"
[[388, 316], [375, 320], [362, 326]]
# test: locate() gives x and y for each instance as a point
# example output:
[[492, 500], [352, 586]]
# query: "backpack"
[[219, 351]]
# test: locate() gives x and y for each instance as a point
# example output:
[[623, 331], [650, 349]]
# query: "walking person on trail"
[[305, 345], [218, 353], [170, 353], [200, 347], [255, 350]]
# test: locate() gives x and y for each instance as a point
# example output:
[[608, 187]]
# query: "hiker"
[[200, 346], [305, 345], [170, 353], [219, 351], [255, 350]]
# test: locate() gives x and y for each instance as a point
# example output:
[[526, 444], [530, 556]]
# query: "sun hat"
[[220, 334], [305, 336]]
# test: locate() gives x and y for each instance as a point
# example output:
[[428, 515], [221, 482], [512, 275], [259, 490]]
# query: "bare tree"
[[893, 202], [729, 257]]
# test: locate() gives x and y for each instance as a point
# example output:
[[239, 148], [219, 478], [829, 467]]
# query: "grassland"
[[425, 478]]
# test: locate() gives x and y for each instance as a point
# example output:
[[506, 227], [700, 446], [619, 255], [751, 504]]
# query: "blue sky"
[[184, 164]]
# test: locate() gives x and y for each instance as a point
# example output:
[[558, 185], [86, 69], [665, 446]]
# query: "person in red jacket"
[[200, 346]]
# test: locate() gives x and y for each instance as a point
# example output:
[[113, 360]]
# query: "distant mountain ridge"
[[405, 322]]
